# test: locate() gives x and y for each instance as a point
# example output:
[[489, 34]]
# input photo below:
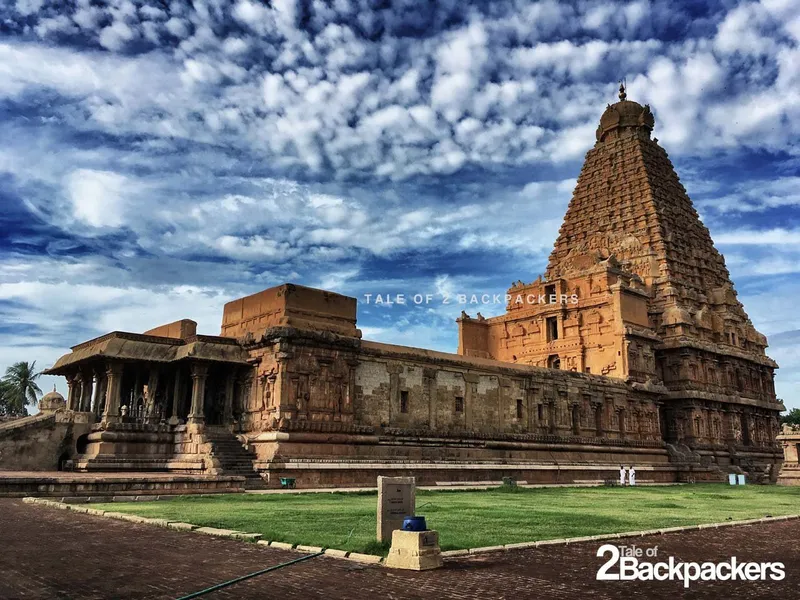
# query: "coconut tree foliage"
[[18, 388]]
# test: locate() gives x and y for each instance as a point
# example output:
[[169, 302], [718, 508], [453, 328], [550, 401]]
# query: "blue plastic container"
[[414, 524]]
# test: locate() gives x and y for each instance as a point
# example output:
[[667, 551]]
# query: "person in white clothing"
[[621, 475], [632, 476]]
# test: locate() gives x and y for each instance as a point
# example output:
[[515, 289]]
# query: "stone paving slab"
[[57, 554]]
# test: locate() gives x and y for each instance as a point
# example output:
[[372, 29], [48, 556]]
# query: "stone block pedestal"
[[790, 470], [415, 550]]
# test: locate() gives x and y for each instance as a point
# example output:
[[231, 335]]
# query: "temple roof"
[[630, 206], [123, 345], [625, 113]]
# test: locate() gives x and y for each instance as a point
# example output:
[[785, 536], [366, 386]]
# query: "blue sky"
[[161, 158]]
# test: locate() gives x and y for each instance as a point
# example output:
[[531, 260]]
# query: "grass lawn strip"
[[473, 519]]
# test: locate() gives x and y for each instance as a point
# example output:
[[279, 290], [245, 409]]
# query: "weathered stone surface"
[[155, 522], [230, 533], [37, 442], [132, 518], [336, 553], [308, 549], [281, 545], [455, 553], [790, 470], [414, 550], [396, 501], [371, 559], [520, 546], [487, 549], [181, 526]]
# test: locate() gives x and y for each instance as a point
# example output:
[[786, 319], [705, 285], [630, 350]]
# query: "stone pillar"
[[240, 399], [227, 408], [87, 387], [394, 391], [576, 419], [72, 395], [113, 390], [350, 404], [533, 411], [429, 395], [100, 392], [598, 419], [199, 374], [79, 385], [150, 407], [174, 418], [133, 402], [747, 439], [281, 386], [92, 406], [471, 381]]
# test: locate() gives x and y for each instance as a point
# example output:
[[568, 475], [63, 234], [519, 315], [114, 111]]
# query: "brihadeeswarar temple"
[[631, 349]]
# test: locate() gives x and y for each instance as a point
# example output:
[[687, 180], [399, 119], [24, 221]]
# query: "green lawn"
[[467, 519]]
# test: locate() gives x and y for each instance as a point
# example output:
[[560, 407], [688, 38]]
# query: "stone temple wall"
[[335, 410], [322, 378]]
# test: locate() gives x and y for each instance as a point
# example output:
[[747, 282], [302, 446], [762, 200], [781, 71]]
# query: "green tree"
[[792, 417], [18, 388], [5, 409]]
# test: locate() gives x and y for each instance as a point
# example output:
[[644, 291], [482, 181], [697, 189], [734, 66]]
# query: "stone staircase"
[[233, 457]]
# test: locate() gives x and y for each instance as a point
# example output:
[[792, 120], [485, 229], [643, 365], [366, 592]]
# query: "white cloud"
[[98, 197], [238, 144], [116, 36], [759, 237]]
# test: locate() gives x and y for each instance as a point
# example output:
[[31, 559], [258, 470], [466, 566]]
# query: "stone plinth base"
[[415, 550], [60, 484], [790, 475], [362, 473]]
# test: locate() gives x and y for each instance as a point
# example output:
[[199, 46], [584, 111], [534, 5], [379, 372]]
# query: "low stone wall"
[[338, 459], [338, 473], [40, 442], [110, 485]]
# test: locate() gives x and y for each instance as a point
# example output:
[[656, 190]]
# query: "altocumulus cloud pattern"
[[160, 158]]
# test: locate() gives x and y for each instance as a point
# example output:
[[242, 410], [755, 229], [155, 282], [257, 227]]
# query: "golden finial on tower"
[[622, 94]]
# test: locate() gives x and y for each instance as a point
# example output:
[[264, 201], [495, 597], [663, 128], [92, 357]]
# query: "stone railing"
[[24, 422]]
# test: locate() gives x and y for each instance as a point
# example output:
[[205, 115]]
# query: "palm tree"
[[5, 408], [19, 387]]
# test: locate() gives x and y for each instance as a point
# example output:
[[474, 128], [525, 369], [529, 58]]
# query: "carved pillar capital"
[[199, 370]]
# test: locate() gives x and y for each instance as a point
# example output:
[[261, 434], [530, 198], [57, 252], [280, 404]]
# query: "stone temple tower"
[[635, 289]]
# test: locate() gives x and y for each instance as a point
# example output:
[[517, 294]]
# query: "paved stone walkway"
[[50, 553]]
